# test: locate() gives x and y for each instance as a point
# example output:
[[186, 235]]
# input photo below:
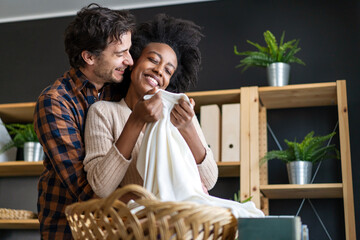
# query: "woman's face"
[[154, 68]]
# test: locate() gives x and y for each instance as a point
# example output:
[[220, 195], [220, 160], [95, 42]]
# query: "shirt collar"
[[80, 79], [109, 91]]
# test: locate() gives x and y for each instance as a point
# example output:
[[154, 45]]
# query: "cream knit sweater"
[[106, 168]]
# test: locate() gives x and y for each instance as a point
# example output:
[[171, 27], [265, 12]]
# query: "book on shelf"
[[230, 132], [272, 227], [210, 125]]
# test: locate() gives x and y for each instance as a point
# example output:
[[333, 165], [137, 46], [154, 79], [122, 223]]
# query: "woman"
[[165, 56]]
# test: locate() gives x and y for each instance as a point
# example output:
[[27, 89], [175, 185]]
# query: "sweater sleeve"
[[207, 168], [104, 164]]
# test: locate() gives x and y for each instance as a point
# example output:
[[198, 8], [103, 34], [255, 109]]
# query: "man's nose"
[[128, 60]]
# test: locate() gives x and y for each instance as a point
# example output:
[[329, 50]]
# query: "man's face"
[[110, 65]]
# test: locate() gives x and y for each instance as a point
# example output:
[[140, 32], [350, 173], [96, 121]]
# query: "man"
[[97, 43]]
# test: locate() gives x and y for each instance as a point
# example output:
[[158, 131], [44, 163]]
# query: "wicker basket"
[[7, 213], [110, 218]]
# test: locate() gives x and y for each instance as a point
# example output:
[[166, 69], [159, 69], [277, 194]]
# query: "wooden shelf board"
[[17, 112], [229, 169], [301, 95], [294, 191], [218, 97], [21, 168], [19, 224]]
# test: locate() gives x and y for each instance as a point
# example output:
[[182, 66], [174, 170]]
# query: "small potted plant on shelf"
[[275, 57], [24, 136], [300, 157]]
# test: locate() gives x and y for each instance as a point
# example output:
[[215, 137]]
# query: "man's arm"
[[60, 136]]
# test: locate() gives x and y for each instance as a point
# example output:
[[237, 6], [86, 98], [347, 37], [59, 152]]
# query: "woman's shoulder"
[[106, 107], [102, 104]]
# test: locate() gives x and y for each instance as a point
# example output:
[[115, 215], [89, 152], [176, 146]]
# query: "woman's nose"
[[158, 70]]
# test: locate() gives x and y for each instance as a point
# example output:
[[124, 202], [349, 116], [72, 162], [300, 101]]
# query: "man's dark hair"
[[183, 37], [93, 28]]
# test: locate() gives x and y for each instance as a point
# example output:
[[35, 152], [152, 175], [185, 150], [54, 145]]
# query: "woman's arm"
[[143, 112], [183, 117], [104, 164], [108, 156]]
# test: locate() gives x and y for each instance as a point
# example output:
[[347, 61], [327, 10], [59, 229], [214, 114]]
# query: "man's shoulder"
[[61, 88]]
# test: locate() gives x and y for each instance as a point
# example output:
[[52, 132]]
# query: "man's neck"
[[92, 78]]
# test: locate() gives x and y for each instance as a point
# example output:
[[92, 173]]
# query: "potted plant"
[[300, 157], [275, 57], [24, 136]]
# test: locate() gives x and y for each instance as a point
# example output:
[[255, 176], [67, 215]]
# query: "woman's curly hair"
[[183, 37]]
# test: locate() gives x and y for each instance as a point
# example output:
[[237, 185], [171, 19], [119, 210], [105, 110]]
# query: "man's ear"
[[88, 57]]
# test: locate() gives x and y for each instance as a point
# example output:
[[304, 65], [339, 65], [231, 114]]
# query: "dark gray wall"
[[32, 56]]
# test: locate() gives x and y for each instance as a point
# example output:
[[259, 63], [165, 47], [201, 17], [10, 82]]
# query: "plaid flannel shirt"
[[59, 121]]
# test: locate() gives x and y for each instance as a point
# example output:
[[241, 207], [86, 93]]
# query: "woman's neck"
[[131, 98]]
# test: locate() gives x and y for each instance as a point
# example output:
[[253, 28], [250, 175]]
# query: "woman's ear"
[[88, 57]]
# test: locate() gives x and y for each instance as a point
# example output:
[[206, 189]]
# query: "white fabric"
[[168, 167]]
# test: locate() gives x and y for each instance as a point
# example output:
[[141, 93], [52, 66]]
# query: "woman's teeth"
[[152, 80]]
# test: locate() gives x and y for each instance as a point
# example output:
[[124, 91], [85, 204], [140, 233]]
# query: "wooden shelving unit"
[[302, 95], [17, 112], [255, 101], [229, 169], [218, 97], [253, 138], [293, 191], [19, 224], [21, 169], [294, 96]]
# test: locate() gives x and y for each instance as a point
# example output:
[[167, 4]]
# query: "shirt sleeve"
[[58, 131], [207, 168], [104, 164]]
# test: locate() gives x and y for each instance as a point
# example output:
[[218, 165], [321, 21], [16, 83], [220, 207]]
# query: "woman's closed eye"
[[153, 60], [168, 71]]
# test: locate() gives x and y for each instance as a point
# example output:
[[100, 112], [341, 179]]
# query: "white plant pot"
[[278, 74], [299, 172], [33, 152]]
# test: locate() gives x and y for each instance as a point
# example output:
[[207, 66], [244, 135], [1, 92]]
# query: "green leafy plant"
[[237, 198], [310, 149], [273, 52], [21, 133]]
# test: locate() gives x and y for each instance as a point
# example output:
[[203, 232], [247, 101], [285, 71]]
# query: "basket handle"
[[132, 189]]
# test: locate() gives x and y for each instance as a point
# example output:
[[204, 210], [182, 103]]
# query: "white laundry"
[[168, 167]]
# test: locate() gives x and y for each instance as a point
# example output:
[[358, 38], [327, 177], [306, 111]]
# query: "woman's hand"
[[149, 110], [182, 114]]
